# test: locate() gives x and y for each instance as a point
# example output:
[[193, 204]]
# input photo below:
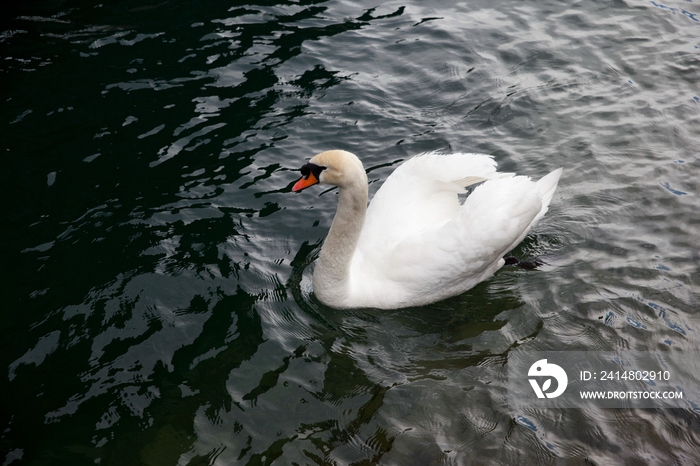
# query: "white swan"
[[416, 244]]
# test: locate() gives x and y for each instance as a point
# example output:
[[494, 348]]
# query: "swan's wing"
[[420, 194], [453, 257]]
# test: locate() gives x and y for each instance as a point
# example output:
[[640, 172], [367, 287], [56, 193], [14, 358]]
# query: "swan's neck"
[[331, 278]]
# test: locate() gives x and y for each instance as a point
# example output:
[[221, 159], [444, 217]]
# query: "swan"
[[415, 244]]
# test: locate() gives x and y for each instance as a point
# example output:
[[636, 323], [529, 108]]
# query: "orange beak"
[[305, 182]]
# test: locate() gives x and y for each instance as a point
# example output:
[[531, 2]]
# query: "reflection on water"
[[158, 299]]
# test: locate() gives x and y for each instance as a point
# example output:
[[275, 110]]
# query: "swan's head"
[[334, 167]]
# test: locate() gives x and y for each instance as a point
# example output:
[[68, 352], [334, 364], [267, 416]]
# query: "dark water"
[[155, 280]]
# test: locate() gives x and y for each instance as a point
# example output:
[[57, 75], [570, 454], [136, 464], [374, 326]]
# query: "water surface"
[[156, 280]]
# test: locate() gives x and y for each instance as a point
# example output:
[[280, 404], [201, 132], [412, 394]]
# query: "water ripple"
[[159, 299]]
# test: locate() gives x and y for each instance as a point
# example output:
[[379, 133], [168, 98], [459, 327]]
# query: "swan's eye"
[[311, 168]]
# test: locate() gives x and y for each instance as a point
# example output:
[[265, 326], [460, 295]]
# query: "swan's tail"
[[546, 187], [548, 184]]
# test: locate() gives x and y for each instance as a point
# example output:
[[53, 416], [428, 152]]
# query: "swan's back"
[[420, 193], [419, 245]]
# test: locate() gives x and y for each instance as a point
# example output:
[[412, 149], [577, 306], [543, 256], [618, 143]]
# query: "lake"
[[158, 302]]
